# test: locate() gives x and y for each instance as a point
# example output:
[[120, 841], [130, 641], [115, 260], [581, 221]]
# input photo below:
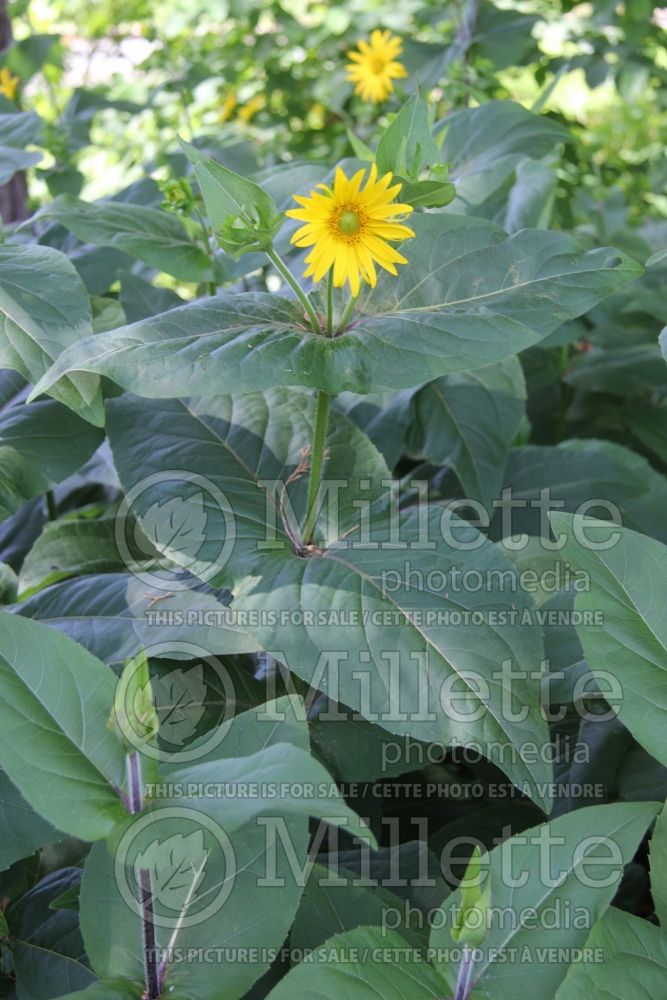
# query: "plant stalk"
[[561, 419], [51, 508], [316, 462], [135, 785], [330, 288], [285, 272], [345, 318], [150, 943], [464, 981]]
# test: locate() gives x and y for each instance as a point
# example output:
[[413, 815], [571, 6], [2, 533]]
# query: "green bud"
[[243, 217], [133, 716], [178, 196], [471, 924]]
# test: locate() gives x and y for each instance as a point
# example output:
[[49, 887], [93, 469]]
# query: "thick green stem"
[[316, 462], [285, 272], [330, 288], [51, 507], [211, 286], [561, 420], [345, 318]]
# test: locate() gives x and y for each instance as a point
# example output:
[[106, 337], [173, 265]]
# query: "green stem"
[[330, 303], [283, 270], [345, 318], [51, 507], [561, 420], [316, 462], [206, 235]]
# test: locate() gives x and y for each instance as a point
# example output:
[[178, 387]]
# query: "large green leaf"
[[469, 297], [363, 964], [55, 744], [116, 989], [20, 129], [383, 416], [114, 615], [12, 160], [549, 885], [359, 604], [302, 785], [155, 237], [628, 577], [504, 37], [77, 546], [629, 959], [235, 454], [334, 902], [468, 421], [658, 860], [40, 445], [16, 132], [624, 371], [583, 475], [22, 830], [530, 201], [484, 145], [648, 424], [353, 749], [254, 916], [44, 307], [409, 869], [46, 946], [140, 299]]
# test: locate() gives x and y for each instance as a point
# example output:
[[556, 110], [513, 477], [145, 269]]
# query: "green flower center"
[[349, 222]]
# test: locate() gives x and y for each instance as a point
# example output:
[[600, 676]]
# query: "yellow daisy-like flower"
[[8, 84], [249, 110], [350, 228], [374, 66], [227, 109]]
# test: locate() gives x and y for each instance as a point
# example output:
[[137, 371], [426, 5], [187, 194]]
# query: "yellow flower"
[[349, 228], [8, 84], [374, 67], [227, 108], [250, 109]]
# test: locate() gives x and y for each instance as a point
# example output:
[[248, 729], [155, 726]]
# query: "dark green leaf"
[[468, 422], [22, 830], [44, 307], [40, 445], [627, 573], [125, 611], [363, 964], [56, 748], [578, 875], [632, 961], [158, 238], [253, 438], [469, 297]]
